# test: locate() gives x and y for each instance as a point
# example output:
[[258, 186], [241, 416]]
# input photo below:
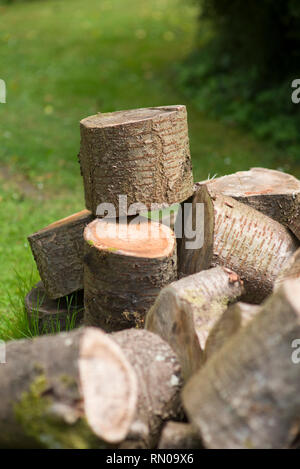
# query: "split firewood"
[[46, 315], [179, 435], [141, 153], [232, 320], [239, 237], [186, 311], [70, 390], [58, 253], [126, 265], [159, 384], [273, 193], [247, 395], [290, 270]]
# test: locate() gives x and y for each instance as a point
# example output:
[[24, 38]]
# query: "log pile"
[[189, 329]]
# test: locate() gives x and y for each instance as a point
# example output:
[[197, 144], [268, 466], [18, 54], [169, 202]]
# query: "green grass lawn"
[[65, 60]]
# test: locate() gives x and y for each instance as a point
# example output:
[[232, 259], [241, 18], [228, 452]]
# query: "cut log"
[[126, 265], [58, 253], [142, 154], [46, 315], [273, 193], [186, 311], [71, 390], [247, 394], [238, 237], [291, 270], [231, 321], [179, 435], [159, 385]]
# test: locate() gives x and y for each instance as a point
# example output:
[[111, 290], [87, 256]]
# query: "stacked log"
[[239, 237], [86, 389], [247, 395], [125, 267], [186, 311], [271, 192], [142, 153], [46, 315], [70, 390], [58, 253], [159, 383]]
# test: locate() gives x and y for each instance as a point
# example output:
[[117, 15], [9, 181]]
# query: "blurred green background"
[[65, 60]]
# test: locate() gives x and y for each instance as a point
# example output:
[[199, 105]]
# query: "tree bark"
[[179, 435], [46, 315], [247, 395], [273, 193], [232, 320], [126, 265], [159, 384], [58, 253], [71, 390], [291, 270], [142, 153], [240, 238], [186, 311]]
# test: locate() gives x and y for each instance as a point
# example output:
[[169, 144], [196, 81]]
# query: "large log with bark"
[[179, 435], [46, 315], [141, 153], [159, 385], [186, 311], [273, 193], [125, 267], [247, 394], [71, 390], [88, 389], [58, 253], [239, 237], [232, 320]]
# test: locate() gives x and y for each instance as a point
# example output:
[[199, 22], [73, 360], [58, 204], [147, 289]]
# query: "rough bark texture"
[[291, 270], [247, 394], [142, 153], [46, 315], [231, 321], [179, 435], [241, 238], [58, 253], [71, 390], [159, 384], [273, 193], [123, 276], [185, 312]]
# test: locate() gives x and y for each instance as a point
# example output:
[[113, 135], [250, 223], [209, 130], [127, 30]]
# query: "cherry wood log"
[[247, 395], [141, 153], [232, 320], [186, 311], [126, 265], [291, 270], [58, 253], [241, 238], [159, 385], [179, 435], [273, 193], [46, 315], [72, 390]]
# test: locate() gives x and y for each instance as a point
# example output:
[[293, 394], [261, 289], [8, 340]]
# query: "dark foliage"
[[247, 56]]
